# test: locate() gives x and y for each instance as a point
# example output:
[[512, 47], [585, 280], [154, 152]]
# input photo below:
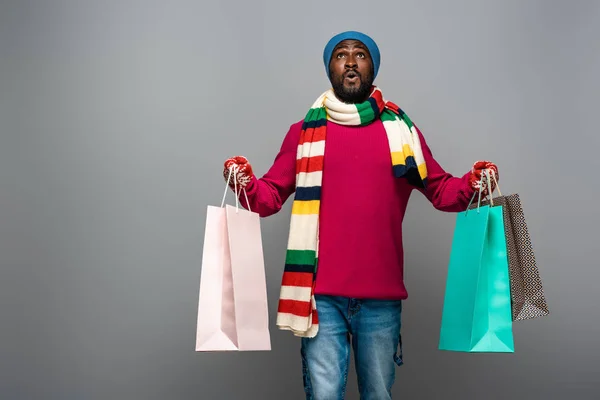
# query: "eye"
[[361, 55], [340, 55]]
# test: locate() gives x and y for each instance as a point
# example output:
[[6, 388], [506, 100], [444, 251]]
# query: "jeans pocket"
[[398, 358], [306, 376], [398, 355]]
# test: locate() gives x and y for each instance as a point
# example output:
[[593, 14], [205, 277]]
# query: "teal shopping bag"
[[476, 315]]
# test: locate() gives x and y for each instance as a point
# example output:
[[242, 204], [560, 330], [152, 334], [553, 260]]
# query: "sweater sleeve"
[[444, 191], [267, 194]]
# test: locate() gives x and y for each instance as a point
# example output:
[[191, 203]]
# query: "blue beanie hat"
[[353, 35]]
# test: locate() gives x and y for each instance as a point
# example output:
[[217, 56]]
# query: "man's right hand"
[[242, 171]]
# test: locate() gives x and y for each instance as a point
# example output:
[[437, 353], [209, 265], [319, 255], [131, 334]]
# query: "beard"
[[352, 94]]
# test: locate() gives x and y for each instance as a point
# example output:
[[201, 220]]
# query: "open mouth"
[[351, 76]]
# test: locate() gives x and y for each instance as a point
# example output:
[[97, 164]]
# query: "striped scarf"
[[297, 309]]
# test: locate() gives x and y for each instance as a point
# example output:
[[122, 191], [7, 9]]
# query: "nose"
[[350, 62]]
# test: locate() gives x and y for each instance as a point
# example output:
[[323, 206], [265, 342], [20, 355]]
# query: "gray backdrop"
[[115, 119]]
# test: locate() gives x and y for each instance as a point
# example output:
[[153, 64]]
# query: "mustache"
[[352, 72]]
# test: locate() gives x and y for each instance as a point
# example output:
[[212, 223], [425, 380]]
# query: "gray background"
[[115, 119]]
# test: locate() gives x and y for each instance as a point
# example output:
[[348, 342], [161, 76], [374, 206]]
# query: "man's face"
[[351, 71]]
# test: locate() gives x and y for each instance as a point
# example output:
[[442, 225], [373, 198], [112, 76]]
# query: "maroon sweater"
[[362, 207]]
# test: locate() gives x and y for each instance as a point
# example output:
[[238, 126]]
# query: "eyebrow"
[[345, 46]]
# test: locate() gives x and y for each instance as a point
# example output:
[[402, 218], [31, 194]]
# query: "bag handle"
[[490, 175], [233, 170], [493, 174]]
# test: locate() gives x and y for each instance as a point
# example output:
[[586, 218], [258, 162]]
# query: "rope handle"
[[233, 171], [490, 175]]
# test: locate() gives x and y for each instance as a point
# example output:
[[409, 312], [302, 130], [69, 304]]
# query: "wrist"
[[252, 185]]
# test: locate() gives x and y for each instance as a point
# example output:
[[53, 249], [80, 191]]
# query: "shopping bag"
[[476, 315], [527, 292], [232, 305]]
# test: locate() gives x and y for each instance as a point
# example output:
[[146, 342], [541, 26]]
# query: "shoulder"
[[292, 137], [295, 129], [297, 126]]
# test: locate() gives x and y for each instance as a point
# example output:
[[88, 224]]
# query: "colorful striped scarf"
[[297, 310]]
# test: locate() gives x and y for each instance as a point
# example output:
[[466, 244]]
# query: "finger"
[[229, 162], [240, 160], [227, 176], [245, 169], [479, 165]]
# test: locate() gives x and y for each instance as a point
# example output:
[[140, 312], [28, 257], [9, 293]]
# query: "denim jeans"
[[372, 329]]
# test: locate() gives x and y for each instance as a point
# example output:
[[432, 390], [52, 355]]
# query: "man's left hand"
[[476, 174]]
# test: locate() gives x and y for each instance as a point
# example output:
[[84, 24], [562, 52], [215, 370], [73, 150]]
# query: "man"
[[353, 163]]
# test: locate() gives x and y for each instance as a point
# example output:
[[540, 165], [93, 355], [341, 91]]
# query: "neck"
[[359, 100], [353, 100]]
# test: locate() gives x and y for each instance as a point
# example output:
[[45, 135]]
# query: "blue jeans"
[[372, 329]]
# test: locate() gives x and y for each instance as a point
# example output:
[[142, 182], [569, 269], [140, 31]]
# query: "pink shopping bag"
[[232, 307]]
